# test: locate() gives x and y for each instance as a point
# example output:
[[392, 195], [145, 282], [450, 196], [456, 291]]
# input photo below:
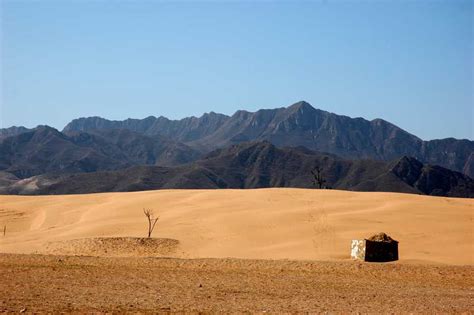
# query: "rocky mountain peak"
[[301, 106]]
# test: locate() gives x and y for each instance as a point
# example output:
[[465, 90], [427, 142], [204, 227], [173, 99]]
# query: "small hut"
[[377, 248]]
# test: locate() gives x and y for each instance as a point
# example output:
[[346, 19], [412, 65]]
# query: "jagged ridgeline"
[[268, 148], [299, 125]]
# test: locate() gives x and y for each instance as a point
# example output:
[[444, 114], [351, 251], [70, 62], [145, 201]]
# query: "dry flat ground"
[[84, 284], [272, 250]]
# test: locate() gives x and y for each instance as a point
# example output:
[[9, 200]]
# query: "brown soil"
[[38, 283], [116, 247]]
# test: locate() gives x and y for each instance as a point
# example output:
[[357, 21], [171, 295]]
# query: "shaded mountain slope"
[[45, 150], [136, 148], [300, 125], [257, 165]]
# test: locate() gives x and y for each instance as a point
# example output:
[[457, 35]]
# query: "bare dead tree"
[[318, 179], [151, 220]]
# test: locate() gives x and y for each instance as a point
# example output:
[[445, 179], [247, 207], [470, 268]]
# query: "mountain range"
[[257, 165], [282, 145], [299, 125]]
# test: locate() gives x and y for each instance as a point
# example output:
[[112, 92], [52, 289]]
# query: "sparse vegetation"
[[151, 220]]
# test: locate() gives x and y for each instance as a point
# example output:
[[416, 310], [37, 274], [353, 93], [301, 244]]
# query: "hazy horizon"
[[409, 63]]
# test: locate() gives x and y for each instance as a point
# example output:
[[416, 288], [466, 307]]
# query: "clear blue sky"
[[408, 62]]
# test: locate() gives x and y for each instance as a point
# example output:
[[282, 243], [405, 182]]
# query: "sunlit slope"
[[261, 223]]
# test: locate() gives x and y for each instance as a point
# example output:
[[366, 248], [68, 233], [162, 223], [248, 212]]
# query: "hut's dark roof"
[[381, 237]]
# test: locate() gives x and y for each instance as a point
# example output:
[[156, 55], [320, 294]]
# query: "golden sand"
[[277, 223]]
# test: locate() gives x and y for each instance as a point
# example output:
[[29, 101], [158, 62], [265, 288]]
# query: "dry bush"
[[151, 220]]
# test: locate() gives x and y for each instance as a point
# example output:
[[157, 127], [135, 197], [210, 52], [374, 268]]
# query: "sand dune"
[[261, 224]]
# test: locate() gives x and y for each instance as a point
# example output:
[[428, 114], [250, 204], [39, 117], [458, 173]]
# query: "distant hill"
[[257, 165], [184, 130], [12, 131], [46, 150], [299, 125]]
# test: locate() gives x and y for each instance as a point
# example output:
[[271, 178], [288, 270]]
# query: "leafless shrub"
[[151, 220], [318, 179]]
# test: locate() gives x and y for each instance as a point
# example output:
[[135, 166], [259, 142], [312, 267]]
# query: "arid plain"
[[234, 250]]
